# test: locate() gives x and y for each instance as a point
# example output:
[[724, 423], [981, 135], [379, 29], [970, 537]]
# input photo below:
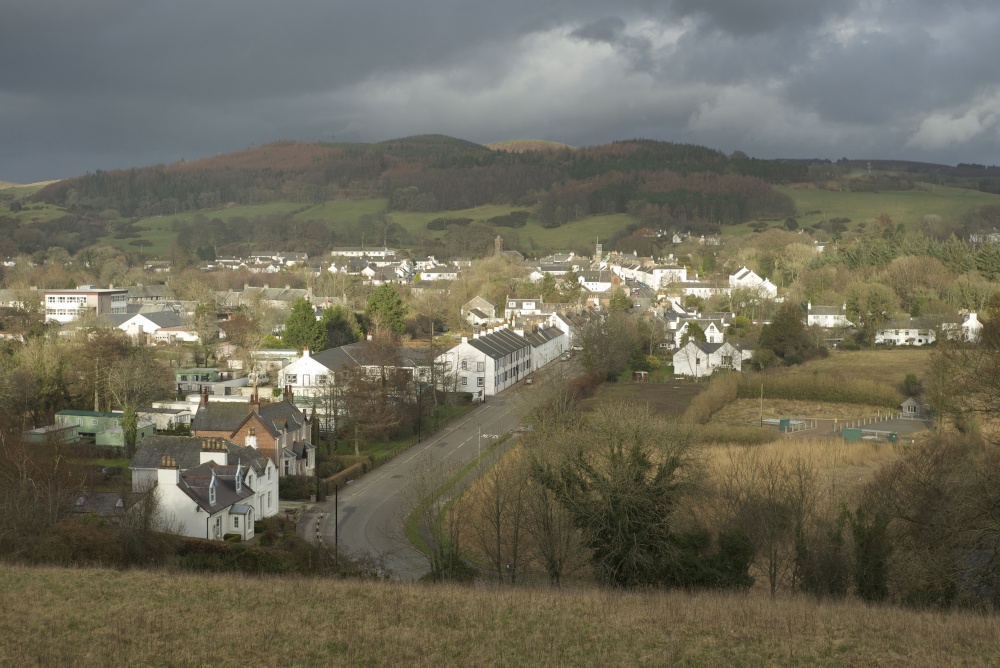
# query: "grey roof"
[[220, 416], [542, 336], [595, 276], [187, 451], [164, 319], [827, 310], [240, 509], [499, 344], [150, 292], [302, 448], [357, 354], [195, 483], [281, 416], [105, 504]]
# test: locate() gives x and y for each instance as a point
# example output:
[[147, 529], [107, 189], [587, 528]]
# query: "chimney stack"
[[203, 401], [288, 393]]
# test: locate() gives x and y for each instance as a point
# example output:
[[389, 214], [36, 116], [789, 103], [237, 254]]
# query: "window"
[[268, 472], [321, 379], [236, 522], [268, 499], [291, 378], [479, 382], [480, 366], [465, 381], [464, 365]]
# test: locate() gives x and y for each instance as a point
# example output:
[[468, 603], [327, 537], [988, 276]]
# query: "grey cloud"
[[749, 17], [115, 83]]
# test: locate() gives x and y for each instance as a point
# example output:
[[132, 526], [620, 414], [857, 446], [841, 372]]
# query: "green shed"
[[851, 435]]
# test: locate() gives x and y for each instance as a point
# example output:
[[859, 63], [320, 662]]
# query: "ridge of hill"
[[522, 145], [446, 196], [87, 616]]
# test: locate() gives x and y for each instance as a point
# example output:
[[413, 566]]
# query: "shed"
[[851, 435]]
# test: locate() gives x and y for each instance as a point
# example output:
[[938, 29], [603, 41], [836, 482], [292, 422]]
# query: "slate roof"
[[163, 319], [827, 310], [220, 416], [542, 336], [150, 292], [105, 504], [499, 344], [353, 355], [301, 449], [195, 483], [187, 451]]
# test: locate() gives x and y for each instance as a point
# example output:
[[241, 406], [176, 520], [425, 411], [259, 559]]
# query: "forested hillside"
[[435, 173]]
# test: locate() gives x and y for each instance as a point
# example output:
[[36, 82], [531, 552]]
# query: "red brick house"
[[279, 430]]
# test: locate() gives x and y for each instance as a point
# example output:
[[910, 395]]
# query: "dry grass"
[[843, 468], [109, 618], [886, 364], [747, 411]]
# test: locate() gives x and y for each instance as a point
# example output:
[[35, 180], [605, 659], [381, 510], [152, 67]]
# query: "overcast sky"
[[102, 84]]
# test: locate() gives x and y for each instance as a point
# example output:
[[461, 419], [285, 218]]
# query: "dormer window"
[[211, 490], [239, 477]]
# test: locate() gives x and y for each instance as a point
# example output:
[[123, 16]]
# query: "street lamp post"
[[420, 410]]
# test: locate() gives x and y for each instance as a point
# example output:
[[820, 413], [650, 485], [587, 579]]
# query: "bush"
[[721, 391], [232, 538], [296, 487]]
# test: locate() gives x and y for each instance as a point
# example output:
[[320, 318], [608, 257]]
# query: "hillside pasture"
[[907, 207], [67, 617]]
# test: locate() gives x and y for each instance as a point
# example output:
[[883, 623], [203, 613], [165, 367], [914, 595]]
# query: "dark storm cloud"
[[115, 83]]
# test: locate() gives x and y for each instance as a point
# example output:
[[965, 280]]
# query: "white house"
[[439, 274], [519, 307], [598, 280], [699, 360], [309, 375], [478, 312], [745, 278], [714, 330], [827, 316], [547, 344], [968, 330], [488, 363], [912, 332], [161, 327], [703, 289], [208, 487]]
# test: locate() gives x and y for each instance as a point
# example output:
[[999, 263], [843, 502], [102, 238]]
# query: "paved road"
[[372, 510]]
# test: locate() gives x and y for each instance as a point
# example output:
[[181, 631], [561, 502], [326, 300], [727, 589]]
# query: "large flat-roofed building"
[[68, 305]]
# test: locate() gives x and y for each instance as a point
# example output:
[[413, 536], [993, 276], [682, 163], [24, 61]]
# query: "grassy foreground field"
[[54, 617]]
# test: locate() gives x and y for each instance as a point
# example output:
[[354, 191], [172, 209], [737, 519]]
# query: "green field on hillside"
[[158, 231], [907, 207]]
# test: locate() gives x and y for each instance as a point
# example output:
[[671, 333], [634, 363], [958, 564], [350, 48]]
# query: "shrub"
[[296, 488], [721, 391]]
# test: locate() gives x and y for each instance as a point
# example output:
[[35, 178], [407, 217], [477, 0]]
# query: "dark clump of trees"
[[625, 488], [786, 339]]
